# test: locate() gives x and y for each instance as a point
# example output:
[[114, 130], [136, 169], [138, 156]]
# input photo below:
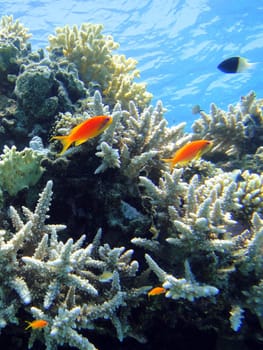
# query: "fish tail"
[[244, 65], [28, 325], [252, 64], [65, 140]]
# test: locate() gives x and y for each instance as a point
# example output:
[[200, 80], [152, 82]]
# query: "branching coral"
[[233, 132], [91, 52], [14, 30], [135, 139], [60, 282], [201, 225], [185, 288], [196, 215]]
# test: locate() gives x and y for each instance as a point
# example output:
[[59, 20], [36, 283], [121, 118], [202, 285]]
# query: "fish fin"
[[170, 162], [28, 325], [79, 142], [65, 140], [167, 160], [203, 151], [252, 65], [198, 155], [244, 65]]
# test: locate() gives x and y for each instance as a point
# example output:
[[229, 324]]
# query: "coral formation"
[[233, 132], [19, 170], [14, 30], [13, 47], [196, 230], [60, 282], [91, 52]]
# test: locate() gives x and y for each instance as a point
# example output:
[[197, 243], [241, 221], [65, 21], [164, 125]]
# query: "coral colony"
[[191, 238]]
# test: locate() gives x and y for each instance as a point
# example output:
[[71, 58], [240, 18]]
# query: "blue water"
[[178, 43]]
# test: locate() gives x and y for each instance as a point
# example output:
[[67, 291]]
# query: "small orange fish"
[[37, 324], [86, 130], [188, 152], [156, 291]]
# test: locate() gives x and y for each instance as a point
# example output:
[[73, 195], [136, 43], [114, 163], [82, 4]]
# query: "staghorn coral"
[[203, 223], [134, 140], [185, 288], [60, 281], [233, 132], [183, 219], [91, 52], [196, 216]]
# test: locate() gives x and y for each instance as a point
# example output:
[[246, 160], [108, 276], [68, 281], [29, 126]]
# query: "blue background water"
[[178, 43]]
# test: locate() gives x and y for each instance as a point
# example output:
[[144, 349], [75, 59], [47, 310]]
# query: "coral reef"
[[61, 282], [233, 132], [196, 230], [197, 227], [91, 52]]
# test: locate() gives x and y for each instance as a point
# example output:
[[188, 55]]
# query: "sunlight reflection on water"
[[178, 43]]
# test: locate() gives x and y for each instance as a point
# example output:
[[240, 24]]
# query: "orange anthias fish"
[[156, 291], [37, 324], [84, 131], [188, 152]]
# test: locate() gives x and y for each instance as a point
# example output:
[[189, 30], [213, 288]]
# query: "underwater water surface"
[[200, 219], [178, 43]]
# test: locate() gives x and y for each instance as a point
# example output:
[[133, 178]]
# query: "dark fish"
[[235, 65]]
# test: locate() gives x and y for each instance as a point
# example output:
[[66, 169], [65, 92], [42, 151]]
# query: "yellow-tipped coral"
[[91, 52], [14, 30]]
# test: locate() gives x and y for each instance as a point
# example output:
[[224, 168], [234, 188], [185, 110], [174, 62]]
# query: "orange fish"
[[156, 291], [84, 131], [188, 152], [37, 324]]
